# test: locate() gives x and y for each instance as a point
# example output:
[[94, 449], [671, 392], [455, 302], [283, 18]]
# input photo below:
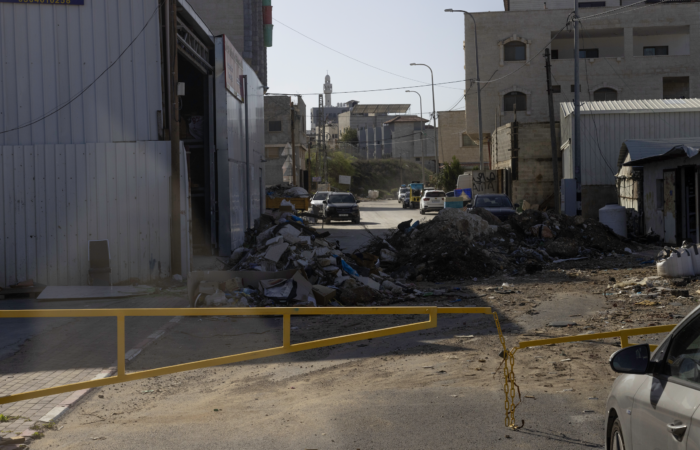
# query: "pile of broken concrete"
[[461, 244], [298, 266]]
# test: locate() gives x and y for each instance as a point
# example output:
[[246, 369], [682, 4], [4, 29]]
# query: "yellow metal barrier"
[[287, 346], [622, 334]]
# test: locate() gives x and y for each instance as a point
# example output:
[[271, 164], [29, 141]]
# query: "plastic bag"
[[675, 263]]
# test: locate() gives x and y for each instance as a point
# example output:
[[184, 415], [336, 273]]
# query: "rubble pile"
[[313, 270], [458, 244], [286, 190]]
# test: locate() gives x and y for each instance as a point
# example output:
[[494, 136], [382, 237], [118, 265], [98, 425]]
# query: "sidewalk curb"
[[60, 410]]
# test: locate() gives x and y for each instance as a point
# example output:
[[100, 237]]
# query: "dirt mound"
[[486, 215], [458, 244]]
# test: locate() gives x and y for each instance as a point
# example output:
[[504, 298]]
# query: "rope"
[[510, 387]]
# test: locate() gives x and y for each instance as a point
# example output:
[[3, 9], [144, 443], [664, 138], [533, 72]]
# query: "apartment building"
[[284, 118], [643, 52]]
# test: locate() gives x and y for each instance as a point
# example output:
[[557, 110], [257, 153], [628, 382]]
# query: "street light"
[[478, 80], [432, 83], [422, 140]]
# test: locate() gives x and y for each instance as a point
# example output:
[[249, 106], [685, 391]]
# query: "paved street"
[[41, 353], [378, 217]]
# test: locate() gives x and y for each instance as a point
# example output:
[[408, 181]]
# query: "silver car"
[[317, 202], [654, 403]]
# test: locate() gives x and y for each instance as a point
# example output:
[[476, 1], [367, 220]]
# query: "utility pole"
[[552, 132], [478, 80], [422, 140], [432, 83], [173, 100], [319, 113], [325, 151], [294, 148], [577, 114]]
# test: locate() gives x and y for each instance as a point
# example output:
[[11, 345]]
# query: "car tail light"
[[426, 199]]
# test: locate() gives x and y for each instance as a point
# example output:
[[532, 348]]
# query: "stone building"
[[242, 23], [643, 53], [453, 140], [278, 135]]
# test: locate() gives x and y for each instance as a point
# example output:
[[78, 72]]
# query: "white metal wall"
[[602, 136], [55, 198], [50, 53]]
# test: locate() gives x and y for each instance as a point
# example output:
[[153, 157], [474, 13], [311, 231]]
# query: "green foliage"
[[349, 136], [447, 179], [3, 418]]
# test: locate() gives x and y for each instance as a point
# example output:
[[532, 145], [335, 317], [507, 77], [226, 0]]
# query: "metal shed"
[[605, 126]]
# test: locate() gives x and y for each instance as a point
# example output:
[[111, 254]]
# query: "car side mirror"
[[325, 202], [634, 359]]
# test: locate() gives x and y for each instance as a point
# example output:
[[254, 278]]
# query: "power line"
[[374, 90], [350, 57], [79, 94]]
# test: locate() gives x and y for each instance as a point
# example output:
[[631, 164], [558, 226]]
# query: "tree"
[[349, 136], [447, 179]]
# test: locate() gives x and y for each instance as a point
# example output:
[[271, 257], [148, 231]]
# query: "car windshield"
[[347, 198], [321, 196], [435, 194], [495, 201], [403, 190]]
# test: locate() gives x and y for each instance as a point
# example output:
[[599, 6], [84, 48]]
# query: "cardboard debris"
[[274, 252]]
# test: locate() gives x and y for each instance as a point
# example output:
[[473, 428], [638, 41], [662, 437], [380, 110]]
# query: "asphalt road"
[[377, 217]]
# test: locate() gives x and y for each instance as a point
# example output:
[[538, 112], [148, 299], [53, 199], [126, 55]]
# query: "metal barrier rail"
[[287, 346], [622, 334]]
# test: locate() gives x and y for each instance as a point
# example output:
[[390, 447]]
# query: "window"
[[684, 353], [492, 201], [591, 4], [467, 141], [605, 95], [572, 88], [514, 51], [588, 53], [656, 51], [321, 196], [676, 87], [660, 194], [275, 125], [556, 89], [272, 153], [417, 159], [514, 101], [435, 194], [555, 54]]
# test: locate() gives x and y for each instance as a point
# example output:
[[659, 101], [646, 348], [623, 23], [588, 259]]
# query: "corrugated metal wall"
[[602, 136], [50, 53], [55, 198], [231, 155]]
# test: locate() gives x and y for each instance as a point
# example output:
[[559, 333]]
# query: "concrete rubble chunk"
[[388, 255], [274, 240], [274, 252]]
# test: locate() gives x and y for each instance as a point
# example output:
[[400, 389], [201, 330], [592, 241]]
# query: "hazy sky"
[[388, 34]]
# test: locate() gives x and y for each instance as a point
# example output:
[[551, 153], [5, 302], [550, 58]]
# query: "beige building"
[[280, 110], [641, 53], [454, 141]]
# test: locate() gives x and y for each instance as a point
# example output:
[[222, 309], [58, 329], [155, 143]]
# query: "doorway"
[[195, 136]]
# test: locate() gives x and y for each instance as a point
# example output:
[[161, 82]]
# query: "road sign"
[[344, 179]]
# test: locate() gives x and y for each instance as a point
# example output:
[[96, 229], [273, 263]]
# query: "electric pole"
[[577, 114], [552, 132], [294, 148], [175, 207]]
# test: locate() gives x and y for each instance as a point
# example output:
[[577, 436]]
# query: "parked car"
[[317, 202], [403, 192], [497, 204], [341, 206], [654, 403], [432, 201]]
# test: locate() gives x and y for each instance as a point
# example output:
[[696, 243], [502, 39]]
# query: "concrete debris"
[[460, 244]]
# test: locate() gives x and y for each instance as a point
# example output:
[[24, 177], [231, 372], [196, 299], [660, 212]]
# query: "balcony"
[[661, 41], [606, 43]]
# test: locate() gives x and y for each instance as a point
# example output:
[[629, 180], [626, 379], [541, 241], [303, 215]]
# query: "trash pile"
[[298, 266], [286, 190], [458, 244], [645, 291]]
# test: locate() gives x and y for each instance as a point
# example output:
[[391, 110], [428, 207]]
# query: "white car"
[[403, 192], [317, 202], [654, 404], [432, 201]]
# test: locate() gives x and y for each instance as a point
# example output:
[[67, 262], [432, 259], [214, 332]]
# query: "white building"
[[605, 126]]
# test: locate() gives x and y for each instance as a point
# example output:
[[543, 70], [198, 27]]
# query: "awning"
[[643, 151]]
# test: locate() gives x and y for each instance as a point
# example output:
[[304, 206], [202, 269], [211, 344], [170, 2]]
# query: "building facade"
[[453, 140], [243, 24], [282, 116], [644, 53]]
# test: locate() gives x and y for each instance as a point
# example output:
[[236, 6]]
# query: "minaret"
[[328, 90]]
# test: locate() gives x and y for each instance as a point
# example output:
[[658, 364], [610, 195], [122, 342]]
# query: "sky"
[[386, 34]]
